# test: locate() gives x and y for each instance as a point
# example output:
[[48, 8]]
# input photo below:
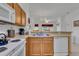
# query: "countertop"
[[37, 36], [54, 34], [52, 31], [10, 47]]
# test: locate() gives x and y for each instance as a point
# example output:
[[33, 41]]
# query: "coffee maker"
[[21, 31]]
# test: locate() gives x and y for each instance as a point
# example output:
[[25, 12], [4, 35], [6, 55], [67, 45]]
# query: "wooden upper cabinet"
[[23, 18], [20, 14], [11, 5]]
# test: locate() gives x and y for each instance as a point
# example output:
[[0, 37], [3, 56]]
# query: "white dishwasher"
[[60, 46]]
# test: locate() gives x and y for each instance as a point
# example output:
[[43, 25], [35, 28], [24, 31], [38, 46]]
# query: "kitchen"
[[38, 29]]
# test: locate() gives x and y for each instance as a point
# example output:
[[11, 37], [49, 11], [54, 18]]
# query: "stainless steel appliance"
[[11, 33]]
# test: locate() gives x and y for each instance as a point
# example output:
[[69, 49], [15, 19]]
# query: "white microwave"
[[7, 13]]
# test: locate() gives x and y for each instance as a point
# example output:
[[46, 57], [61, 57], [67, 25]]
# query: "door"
[[18, 14], [37, 46], [23, 18], [47, 46], [34, 47]]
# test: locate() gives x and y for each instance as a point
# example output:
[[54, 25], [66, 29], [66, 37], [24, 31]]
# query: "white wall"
[[4, 28], [67, 25], [33, 21]]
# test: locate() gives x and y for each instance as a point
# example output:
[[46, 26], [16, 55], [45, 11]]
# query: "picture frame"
[[76, 23]]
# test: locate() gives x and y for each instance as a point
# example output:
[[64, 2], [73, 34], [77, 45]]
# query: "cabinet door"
[[47, 46], [6, 12], [23, 18], [11, 5], [34, 47], [18, 14]]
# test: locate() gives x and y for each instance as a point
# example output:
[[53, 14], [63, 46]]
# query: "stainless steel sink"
[[41, 34], [2, 49]]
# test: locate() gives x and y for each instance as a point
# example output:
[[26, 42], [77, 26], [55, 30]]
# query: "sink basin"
[[2, 49], [16, 40], [40, 34]]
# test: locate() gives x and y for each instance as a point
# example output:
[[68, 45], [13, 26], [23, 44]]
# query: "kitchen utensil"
[[3, 39]]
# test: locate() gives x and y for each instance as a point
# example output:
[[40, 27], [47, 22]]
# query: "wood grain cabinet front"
[[20, 14], [34, 47], [39, 47], [23, 15], [47, 47]]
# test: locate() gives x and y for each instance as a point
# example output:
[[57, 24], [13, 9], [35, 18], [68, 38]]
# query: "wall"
[[5, 27], [36, 21], [67, 25], [26, 8]]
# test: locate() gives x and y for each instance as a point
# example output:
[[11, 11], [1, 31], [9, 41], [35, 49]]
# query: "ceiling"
[[50, 11]]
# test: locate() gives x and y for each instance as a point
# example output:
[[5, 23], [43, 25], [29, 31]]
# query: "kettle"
[[3, 39], [11, 33]]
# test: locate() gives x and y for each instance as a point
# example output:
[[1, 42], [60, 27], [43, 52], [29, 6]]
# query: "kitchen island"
[[55, 42]]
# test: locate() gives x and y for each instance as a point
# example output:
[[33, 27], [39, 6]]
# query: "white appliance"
[[61, 46], [7, 13]]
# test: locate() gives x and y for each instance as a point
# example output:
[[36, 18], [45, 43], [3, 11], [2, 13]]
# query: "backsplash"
[[4, 28]]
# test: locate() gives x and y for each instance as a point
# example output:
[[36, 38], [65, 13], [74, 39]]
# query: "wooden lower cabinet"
[[39, 46], [47, 46]]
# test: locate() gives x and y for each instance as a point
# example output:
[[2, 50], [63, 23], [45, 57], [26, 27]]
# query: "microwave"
[[7, 13]]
